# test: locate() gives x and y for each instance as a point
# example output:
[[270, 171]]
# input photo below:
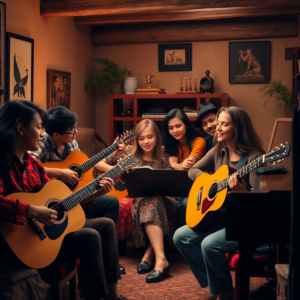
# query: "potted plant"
[[281, 93], [110, 77]]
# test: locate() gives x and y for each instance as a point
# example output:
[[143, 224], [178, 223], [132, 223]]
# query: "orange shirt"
[[198, 149]]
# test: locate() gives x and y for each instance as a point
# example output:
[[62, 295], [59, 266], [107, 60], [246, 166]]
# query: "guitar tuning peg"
[[126, 131], [279, 160], [274, 163], [281, 145]]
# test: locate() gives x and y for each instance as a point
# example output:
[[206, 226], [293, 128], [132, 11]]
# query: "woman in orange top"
[[182, 143], [184, 146]]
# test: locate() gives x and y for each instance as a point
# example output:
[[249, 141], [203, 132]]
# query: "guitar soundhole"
[[213, 190], [78, 171], [60, 212]]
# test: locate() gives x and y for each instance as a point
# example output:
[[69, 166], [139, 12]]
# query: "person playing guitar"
[[21, 130], [58, 142], [205, 251]]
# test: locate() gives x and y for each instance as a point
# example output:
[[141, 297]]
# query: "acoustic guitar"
[[37, 245], [208, 193], [83, 166]]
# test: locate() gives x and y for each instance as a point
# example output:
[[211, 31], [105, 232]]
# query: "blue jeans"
[[182, 210], [106, 206], [205, 254]]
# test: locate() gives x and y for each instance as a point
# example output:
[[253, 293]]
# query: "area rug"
[[180, 285]]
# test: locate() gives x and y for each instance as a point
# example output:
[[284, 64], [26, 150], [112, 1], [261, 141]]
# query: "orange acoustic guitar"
[[208, 192], [36, 244], [83, 166]]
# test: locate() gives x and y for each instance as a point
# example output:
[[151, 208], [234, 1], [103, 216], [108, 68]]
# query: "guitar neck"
[[98, 157], [242, 172], [75, 198]]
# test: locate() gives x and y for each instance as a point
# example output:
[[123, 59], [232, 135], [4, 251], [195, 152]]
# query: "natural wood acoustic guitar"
[[208, 193], [83, 166], [36, 244]]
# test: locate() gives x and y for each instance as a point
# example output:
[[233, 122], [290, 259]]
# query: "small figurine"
[[129, 113], [149, 79]]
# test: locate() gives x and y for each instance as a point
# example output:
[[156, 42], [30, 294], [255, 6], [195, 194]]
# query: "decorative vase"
[[288, 110], [130, 85], [116, 88]]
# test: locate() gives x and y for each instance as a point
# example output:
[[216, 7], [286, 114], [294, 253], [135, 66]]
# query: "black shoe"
[[143, 267], [157, 276], [122, 298], [122, 270]]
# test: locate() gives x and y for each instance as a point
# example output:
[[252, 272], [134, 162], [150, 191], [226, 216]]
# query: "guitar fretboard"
[[96, 158], [242, 172], [75, 198]]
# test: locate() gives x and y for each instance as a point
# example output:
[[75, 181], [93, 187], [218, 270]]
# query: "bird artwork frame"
[[175, 57], [19, 67]]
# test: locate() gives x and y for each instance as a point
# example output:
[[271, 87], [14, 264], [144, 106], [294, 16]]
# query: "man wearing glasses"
[[57, 143]]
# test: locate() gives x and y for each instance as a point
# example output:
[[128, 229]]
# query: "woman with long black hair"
[[182, 143]]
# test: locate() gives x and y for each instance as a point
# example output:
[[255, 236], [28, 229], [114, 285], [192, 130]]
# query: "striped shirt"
[[27, 177], [48, 152]]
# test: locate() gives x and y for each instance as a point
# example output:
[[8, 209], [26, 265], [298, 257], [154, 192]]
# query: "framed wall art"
[[58, 88], [249, 62], [19, 68], [2, 50], [175, 57]]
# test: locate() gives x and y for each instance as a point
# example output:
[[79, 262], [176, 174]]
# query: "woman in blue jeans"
[[204, 251]]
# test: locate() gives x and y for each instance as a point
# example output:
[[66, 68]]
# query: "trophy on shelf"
[[150, 90], [149, 79]]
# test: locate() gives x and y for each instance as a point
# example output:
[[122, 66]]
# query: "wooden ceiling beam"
[[196, 14], [199, 31], [71, 8]]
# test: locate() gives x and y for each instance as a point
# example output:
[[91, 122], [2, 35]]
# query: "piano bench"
[[257, 268]]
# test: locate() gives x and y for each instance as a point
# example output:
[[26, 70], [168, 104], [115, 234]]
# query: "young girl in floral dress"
[[156, 216]]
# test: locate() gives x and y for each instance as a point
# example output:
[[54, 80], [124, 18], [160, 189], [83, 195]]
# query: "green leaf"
[[110, 73]]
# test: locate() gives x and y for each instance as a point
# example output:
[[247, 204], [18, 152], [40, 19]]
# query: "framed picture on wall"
[[58, 88], [249, 62], [2, 50], [175, 57], [19, 68]]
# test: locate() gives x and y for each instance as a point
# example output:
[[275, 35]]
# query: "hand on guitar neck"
[[235, 185]]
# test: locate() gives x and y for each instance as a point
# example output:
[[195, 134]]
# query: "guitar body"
[[119, 190], [73, 160], [26, 244], [202, 210]]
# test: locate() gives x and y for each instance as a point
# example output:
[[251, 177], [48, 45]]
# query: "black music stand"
[[145, 182]]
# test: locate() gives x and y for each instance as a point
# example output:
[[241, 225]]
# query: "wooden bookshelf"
[[143, 102]]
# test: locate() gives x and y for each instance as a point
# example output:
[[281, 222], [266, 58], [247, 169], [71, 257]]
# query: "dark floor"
[[180, 285]]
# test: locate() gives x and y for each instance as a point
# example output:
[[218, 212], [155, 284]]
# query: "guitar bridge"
[[199, 198]]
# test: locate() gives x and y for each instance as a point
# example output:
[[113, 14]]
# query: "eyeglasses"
[[73, 130]]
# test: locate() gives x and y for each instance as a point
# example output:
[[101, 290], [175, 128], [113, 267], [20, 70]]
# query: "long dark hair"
[[137, 151], [171, 143], [245, 136], [11, 114]]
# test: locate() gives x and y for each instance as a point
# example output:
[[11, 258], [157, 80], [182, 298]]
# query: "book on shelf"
[[153, 115], [191, 114], [150, 90], [147, 93]]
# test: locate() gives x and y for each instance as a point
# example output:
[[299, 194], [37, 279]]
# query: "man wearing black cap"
[[207, 120]]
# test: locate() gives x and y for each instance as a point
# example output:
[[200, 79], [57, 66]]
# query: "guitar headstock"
[[127, 137], [279, 153], [128, 163]]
